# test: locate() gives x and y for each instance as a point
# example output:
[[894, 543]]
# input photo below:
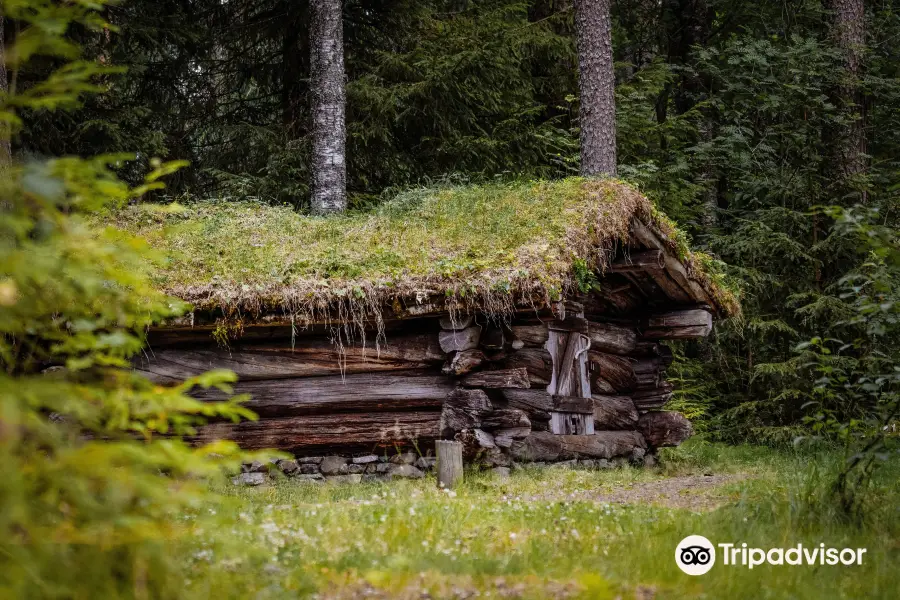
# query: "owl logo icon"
[[695, 555]]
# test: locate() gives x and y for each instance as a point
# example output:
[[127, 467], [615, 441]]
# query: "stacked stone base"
[[408, 465]]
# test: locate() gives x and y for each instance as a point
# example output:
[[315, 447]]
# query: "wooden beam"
[[538, 404], [507, 378], [665, 428], [612, 338], [460, 363], [545, 446], [673, 267], [615, 370], [679, 325], [639, 261], [653, 399], [367, 392], [536, 361], [302, 433], [306, 357], [614, 413]]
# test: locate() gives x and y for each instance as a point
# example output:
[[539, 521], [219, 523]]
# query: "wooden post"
[[449, 463]]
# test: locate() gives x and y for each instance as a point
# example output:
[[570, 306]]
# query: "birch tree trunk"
[[596, 85], [849, 34], [5, 147], [329, 172]]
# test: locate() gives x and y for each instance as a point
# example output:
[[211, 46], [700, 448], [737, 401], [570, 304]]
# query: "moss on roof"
[[491, 245]]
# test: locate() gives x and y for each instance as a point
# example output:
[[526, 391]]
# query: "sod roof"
[[493, 246]]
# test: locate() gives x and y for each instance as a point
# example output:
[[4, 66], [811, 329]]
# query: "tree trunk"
[[329, 172], [596, 85], [5, 148], [849, 34]]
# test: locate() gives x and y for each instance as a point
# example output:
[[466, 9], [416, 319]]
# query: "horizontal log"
[[499, 379], [505, 418], [601, 386], [679, 325], [571, 324], [612, 338], [614, 369], [538, 404], [647, 372], [504, 438], [533, 335], [544, 446], [536, 361], [653, 399], [457, 341], [674, 269], [639, 261], [303, 433], [367, 392], [306, 357], [665, 428], [460, 363], [614, 412]]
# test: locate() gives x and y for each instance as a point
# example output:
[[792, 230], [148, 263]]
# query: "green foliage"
[[93, 473], [856, 396]]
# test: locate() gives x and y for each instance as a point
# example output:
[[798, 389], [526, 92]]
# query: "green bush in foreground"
[[90, 482]]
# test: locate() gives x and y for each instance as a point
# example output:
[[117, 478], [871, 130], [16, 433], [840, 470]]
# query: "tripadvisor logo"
[[696, 555]]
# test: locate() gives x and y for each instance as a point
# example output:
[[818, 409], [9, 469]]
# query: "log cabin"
[[528, 321]]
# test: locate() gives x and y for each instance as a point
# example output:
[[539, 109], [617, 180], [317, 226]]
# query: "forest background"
[[728, 115]]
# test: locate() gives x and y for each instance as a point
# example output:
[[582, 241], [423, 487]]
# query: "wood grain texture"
[[614, 369], [306, 357], [538, 404], [536, 361], [665, 428], [498, 379], [303, 433], [544, 446], [361, 392], [612, 338], [614, 413], [449, 463], [460, 363], [679, 325]]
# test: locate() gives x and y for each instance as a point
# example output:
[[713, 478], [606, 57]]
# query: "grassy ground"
[[550, 533]]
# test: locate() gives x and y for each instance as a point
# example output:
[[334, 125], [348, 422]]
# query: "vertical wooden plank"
[[552, 346], [449, 463]]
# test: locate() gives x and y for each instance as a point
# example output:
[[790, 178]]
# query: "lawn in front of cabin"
[[546, 533]]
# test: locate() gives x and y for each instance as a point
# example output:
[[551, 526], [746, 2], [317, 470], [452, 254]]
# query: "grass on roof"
[[517, 240]]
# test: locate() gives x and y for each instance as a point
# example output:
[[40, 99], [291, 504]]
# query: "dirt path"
[[692, 492]]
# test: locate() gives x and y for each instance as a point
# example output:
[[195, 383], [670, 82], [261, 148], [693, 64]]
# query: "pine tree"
[[596, 85], [329, 170]]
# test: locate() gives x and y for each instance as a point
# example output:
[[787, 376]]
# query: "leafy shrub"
[[93, 475]]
